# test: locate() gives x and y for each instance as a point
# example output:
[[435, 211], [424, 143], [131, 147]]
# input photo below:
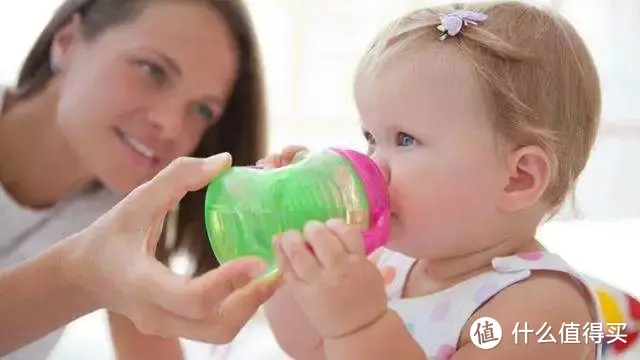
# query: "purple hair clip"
[[451, 23]]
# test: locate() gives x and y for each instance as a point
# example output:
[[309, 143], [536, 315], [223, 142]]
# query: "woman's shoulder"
[[30, 232], [26, 233], [79, 211]]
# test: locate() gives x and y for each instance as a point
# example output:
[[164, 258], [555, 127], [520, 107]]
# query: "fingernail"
[[215, 160]]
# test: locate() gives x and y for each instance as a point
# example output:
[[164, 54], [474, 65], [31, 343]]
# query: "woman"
[[112, 91]]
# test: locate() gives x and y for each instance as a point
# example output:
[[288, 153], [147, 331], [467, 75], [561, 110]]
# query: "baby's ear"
[[529, 171]]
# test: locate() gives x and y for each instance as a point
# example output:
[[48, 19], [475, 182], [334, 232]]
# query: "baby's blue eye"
[[404, 139]]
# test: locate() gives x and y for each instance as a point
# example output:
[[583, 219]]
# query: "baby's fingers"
[[350, 236], [292, 152], [328, 248], [286, 157], [297, 252], [272, 161]]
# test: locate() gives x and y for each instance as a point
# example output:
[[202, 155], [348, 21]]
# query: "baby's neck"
[[430, 276]]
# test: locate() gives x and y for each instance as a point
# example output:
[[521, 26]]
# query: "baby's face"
[[428, 125]]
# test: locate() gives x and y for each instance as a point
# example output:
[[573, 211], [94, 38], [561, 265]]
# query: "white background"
[[311, 47]]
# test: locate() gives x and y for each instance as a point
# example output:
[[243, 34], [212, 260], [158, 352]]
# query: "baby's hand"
[[336, 286], [286, 157]]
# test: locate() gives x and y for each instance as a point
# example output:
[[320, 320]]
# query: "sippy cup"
[[246, 206]]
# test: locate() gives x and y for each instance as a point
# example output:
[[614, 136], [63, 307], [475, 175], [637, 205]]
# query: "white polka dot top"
[[436, 320]]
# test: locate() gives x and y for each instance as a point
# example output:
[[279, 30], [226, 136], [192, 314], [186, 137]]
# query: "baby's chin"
[[397, 244], [414, 247]]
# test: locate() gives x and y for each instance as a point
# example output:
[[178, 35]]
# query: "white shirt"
[[26, 233]]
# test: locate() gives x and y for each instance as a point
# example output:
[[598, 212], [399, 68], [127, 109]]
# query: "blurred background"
[[310, 50]]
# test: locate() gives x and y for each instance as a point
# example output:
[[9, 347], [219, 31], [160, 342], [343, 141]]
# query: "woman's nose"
[[168, 119]]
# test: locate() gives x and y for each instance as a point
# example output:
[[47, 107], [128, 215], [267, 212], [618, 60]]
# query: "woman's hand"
[[113, 261]]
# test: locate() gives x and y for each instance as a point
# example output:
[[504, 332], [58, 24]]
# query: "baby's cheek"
[[425, 200], [441, 206]]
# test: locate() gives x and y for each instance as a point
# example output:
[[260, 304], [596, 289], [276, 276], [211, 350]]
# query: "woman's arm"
[[131, 344], [110, 264], [40, 296]]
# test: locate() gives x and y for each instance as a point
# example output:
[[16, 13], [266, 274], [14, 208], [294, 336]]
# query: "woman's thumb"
[[171, 184]]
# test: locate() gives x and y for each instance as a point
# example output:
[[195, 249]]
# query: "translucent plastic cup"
[[246, 206]]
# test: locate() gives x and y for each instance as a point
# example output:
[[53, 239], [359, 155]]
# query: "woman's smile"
[[142, 154]]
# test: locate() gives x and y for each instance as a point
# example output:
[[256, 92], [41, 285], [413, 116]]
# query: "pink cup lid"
[[375, 187]]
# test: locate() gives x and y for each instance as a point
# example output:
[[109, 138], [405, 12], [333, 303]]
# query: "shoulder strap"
[[541, 260], [395, 268]]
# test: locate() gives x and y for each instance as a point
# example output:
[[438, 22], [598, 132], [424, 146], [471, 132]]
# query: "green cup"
[[246, 206]]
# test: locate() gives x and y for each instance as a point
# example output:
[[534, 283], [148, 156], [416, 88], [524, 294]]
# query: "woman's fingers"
[[241, 305], [146, 206], [218, 326], [197, 297], [229, 278], [157, 321], [157, 196]]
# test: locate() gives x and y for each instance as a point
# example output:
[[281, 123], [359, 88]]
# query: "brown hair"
[[240, 130], [538, 73]]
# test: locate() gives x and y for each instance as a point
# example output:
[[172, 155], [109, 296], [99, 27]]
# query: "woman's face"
[[143, 93]]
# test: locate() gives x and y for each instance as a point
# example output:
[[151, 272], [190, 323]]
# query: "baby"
[[482, 117]]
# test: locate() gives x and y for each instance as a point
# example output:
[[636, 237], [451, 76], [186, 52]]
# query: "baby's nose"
[[384, 169]]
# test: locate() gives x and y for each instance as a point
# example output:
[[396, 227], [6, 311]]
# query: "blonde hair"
[[537, 71]]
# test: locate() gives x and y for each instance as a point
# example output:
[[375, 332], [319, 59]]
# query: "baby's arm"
[[386, 338], [545, 301], [293, 332], [130, 343]]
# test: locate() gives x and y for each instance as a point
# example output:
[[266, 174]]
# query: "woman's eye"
[[154, 71], [404, 139], [204, 112]]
